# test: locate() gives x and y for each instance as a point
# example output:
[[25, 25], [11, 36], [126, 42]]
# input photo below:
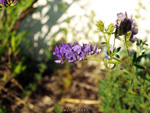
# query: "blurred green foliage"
[[10, 40], [126, 89], [120, 94], [2, 110], [58, 108], [11, 61]]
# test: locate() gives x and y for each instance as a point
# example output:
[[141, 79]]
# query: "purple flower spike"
[[7, 3], [74, 52], [124, 25]]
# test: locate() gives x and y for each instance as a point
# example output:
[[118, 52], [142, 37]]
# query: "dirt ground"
[[75, 90]]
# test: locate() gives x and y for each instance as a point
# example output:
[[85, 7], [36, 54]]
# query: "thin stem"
[[111, 62], [107, 41], [105, 37], [127, 46], [121, 62], [127, 49], [114, 44], [2, 14], [110, 32]]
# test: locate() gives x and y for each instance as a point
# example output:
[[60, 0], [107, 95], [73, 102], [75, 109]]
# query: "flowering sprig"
[[74, 52], [7, 3], [125, 25]]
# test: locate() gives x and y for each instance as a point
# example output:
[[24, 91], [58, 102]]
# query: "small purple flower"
[[7, 3], [124, 25], [89, 49], [134, 32], [57, 54], [74, 52]]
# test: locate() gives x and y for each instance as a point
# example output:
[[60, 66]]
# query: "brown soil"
[[75, 90]]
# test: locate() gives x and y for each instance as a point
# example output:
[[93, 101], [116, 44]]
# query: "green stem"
[[114, 45], [127, 46], [110, 62], [127, 49], [122, 62], [107, 41]]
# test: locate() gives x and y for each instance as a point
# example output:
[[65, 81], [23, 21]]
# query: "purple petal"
[[82, 55], [60, 58], [77, 49], [133, 40], [95, 48], [15, 2], [57, 50], [57, 61], [62, 50], [70, 60], [134, 31], [119, 15], [62, 44], [54, 54], [98, 51]]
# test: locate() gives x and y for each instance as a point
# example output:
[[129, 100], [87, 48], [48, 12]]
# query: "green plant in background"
[[10, 40], [7, 3], [125, 90], [119, 95], [58, 108], [11, 60], [2, 110]]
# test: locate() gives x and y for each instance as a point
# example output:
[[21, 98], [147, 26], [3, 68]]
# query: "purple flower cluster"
[[7, 3], [124, 25], [74, 52]]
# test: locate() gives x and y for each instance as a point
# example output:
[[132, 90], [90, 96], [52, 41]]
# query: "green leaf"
[[58, 108], [138, 59], [114, 50], [18, 67], [118, 49], [143, 52], [103, 70], [134, 57], [138, 43], [1, 6], [13, 43], [63, 6], [114, 66], [103, 43], [64, 30], [128, 43], [100, 26], [101, 81], [117, 56], [139, 66]]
